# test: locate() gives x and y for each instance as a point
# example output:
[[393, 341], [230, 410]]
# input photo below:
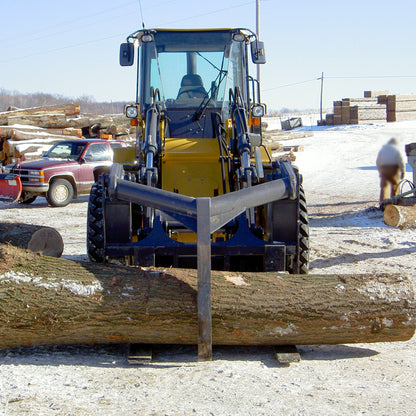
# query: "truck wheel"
[[27, 198], [60, 194], [95, 224]]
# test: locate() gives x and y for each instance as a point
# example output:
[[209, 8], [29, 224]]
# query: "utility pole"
[[322, 93]]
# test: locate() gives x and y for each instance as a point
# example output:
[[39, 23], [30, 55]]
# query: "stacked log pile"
[[26, 133], [375, 107], [271, 139]]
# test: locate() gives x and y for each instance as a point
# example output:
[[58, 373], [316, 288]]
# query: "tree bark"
[[46, 300], [400, 216], [45, 240], [67, 109], [38, 135], [39, 120]]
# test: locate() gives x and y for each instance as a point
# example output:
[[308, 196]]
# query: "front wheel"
[[27, 198], [289, 221], [95, 224], [61, 193]]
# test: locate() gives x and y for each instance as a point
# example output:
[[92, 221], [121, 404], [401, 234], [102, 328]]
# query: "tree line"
[[88, 104]]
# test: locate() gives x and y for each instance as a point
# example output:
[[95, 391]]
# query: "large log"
[[400, 216], [39, 120], [39, 239], [45, 300], [39, 135], [69, 109]]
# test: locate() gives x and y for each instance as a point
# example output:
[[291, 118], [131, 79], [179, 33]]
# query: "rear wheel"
[[95, 224], [60, 193]]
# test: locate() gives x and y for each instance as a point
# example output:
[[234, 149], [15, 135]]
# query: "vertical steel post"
[[203, 206], [258, 35]]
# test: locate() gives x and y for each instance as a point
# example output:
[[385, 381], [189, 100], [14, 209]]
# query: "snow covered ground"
[[347, 236]]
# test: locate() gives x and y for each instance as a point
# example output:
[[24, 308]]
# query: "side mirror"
[[126, 54], [258, 55]]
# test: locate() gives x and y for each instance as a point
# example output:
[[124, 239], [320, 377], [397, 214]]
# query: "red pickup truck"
[[65, 171]]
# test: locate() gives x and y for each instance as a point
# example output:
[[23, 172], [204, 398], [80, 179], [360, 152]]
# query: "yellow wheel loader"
[[199, 167]]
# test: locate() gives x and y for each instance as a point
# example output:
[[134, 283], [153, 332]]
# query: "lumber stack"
[[399, 107], [375, 107], [26, 133], [357, 111]]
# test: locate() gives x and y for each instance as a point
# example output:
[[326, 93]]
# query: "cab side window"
[[98, 152]]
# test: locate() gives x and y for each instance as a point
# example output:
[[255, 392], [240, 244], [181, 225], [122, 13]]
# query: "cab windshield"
[[66, 150], [192, 68]]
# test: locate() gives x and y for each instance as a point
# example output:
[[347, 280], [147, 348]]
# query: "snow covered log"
[[39, 120], [18, 135], [45, 300], [69, 109], [400, 216], [39, 239]]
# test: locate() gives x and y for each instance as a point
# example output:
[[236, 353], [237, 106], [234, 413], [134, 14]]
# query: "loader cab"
[[190, 73]]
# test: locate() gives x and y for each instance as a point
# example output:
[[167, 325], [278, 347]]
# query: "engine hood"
[[42, 164]]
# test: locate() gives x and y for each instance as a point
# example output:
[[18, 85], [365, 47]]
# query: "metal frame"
[[203, 216]]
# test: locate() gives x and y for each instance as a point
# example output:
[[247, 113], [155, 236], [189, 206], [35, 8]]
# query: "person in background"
[[391, 167]]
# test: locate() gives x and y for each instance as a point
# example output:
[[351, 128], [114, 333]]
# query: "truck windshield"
[[189, 67], [66, 150]]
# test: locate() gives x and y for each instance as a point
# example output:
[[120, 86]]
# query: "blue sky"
[[71, 48]]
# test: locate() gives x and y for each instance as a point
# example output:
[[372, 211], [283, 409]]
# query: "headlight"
[[257, 110], [36, 176], [147, 37], [131, 111]]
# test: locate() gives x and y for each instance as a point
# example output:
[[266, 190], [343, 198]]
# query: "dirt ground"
[[347, 236]]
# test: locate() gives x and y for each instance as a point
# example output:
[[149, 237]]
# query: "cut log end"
[[46, 241], [40, 239], [400, 216]]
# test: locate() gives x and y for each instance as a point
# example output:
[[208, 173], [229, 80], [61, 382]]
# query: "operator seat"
[[191, 87]]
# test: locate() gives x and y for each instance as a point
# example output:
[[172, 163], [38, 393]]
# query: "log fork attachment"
[[203, 216]]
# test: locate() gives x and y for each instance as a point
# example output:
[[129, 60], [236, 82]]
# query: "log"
[[50, 301], [39, 239], [6, 131], [400, 216], [39, 135], [39, 120], [67, 109]]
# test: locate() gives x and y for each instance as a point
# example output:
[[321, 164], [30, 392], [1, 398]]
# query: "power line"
[[371, 76], [208, 13], [341, 77], [291, 85]]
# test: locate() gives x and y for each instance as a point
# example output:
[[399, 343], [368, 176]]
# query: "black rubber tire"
[[302, 266], [292, 226], [60, 193], [95, 224], [27, 200]]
